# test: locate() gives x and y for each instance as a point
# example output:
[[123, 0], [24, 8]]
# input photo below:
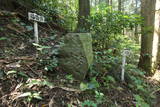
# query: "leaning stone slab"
[[76, 54]]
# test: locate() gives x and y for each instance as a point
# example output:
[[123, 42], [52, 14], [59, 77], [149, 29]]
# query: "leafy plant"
[[39, 82], [29, 28], [70, 78], [89, 104], [106, 25], [140, 101], [11, 72], [50, 63], [3, 38], [22, 74], [48, 58], [99, 97], [93, 84], [30, 96], [40, 47], [83, 86]]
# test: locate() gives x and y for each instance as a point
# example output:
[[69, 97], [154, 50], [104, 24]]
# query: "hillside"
[[24, 81]]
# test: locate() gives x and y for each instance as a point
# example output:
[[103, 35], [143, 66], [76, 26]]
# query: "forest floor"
[[25, 83]]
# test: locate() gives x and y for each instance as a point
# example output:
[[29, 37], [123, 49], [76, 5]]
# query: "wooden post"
[[36, 32], [124, 55], [123, 67], [36, 18]]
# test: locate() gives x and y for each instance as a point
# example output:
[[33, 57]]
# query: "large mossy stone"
[[76, 54]]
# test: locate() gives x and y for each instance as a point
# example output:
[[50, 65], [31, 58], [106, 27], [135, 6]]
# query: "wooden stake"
[[124, 55], [123, 67], [36, 32]]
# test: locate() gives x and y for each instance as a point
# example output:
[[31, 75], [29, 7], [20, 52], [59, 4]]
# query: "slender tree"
[[158, 55], [148, 13], [100, 1], [120, 5], [136, 25], [84, 12], [156, 38], [107, 2], [111, 2]]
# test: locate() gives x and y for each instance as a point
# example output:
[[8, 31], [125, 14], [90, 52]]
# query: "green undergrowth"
[[101, 88]]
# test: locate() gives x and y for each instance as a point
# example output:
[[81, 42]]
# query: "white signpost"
[[125, 53], [36, 18]]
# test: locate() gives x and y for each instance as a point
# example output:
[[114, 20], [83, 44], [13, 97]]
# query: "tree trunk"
[[156, 38], [111, 2], [107, 2], [84, 12], [100, 1], [119, 5], [158, 56], [136, 7], [148, 13], [95, 3], [136, 25]]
